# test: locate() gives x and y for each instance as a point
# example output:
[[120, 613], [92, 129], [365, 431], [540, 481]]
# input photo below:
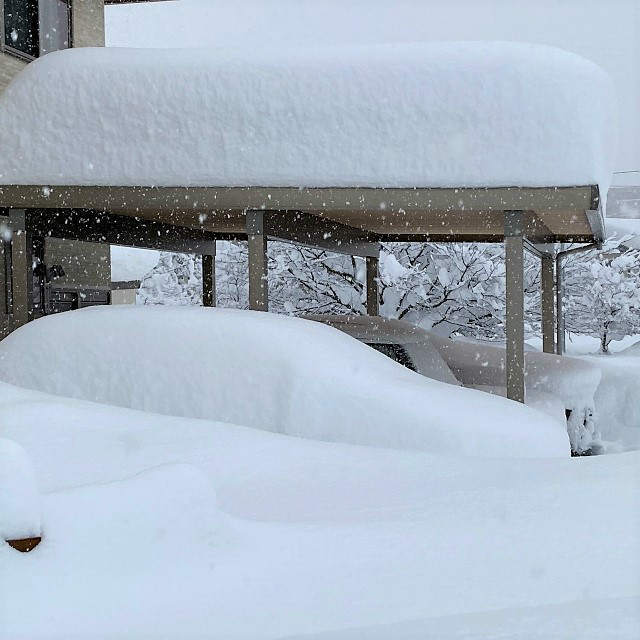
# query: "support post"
[[373, 298], [258, 264], [548, 304], [21, 269], [514, 260], [559, 308], [209, 278]]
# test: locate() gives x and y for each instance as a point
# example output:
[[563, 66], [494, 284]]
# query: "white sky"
[[605, 31]]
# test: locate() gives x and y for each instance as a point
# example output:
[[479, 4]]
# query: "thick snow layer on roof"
[[270, 372], [401, 115], [129, 264]]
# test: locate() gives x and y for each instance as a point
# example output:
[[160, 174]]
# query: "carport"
[[439, 142], [353, 221]]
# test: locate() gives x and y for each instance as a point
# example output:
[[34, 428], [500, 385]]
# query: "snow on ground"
[[129, 264], [270, 372], [624, 228], [163, 526], [401, 115], [180, 527], [19, 498]]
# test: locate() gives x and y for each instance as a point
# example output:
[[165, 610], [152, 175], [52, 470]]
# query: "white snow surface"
[[128, 263], [270, 372], [162, 526], [19, 496], [389, 115]]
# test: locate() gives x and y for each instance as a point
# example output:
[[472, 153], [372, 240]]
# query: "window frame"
[[16, 53]]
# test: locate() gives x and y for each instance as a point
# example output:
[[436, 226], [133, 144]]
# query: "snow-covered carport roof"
[[417, 141]]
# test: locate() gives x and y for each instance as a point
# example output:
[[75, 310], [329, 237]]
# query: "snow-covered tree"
[[453, 288], [602, 293]]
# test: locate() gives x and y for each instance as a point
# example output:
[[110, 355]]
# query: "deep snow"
[[278, 373], [305, 537], [397, 115]]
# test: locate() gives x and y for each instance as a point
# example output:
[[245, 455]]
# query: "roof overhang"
[[552, 214]]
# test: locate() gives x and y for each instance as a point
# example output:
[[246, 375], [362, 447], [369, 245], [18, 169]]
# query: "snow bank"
[[265, 371], [308, 536], [399, 115], [628, 228], [19, 496], [572, 380], [618, 398]]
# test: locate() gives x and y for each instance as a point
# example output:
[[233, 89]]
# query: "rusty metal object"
[[25, 544]]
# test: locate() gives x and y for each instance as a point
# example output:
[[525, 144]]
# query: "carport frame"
[[349, 220]]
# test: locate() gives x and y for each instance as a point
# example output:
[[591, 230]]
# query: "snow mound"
[[269, 372], [397, 115], [573, 380], [19, 496]]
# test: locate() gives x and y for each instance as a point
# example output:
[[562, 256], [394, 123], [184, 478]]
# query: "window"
[[54, 25], [21, 26], [396, 352], [33, 28]]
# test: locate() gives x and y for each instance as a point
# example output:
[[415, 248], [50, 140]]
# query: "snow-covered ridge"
[[400, 115]]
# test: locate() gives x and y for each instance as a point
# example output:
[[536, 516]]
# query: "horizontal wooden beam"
[[132, 199], [100, 227], [311, 230]]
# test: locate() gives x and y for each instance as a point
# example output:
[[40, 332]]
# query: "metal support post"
[[373, 298], [514, 259], [258, 263]]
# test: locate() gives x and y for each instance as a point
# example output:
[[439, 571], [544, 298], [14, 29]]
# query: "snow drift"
[[397, 115], [265, 371], [19, 496], [571, 380]]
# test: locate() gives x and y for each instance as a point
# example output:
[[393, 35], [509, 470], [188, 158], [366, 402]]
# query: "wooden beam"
[[315, 231], [101, 227], [321, 200], [21, 269]]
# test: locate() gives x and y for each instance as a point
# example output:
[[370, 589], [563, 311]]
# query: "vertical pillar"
[[21, 269], [548, 304], [209, 278], [373, 298], [514, 260], [559, 308], [258, 264]]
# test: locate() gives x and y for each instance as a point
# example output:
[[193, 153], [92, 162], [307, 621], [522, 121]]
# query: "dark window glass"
[[21, 30], [54, 25], [395, 352]]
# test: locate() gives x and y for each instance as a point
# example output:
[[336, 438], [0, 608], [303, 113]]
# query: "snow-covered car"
[[267, 372], [561, 386]]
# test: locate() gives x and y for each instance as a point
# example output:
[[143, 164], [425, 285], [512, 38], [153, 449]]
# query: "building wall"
[[9, 67], [85, 264], [123, 296], [87, 23]]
